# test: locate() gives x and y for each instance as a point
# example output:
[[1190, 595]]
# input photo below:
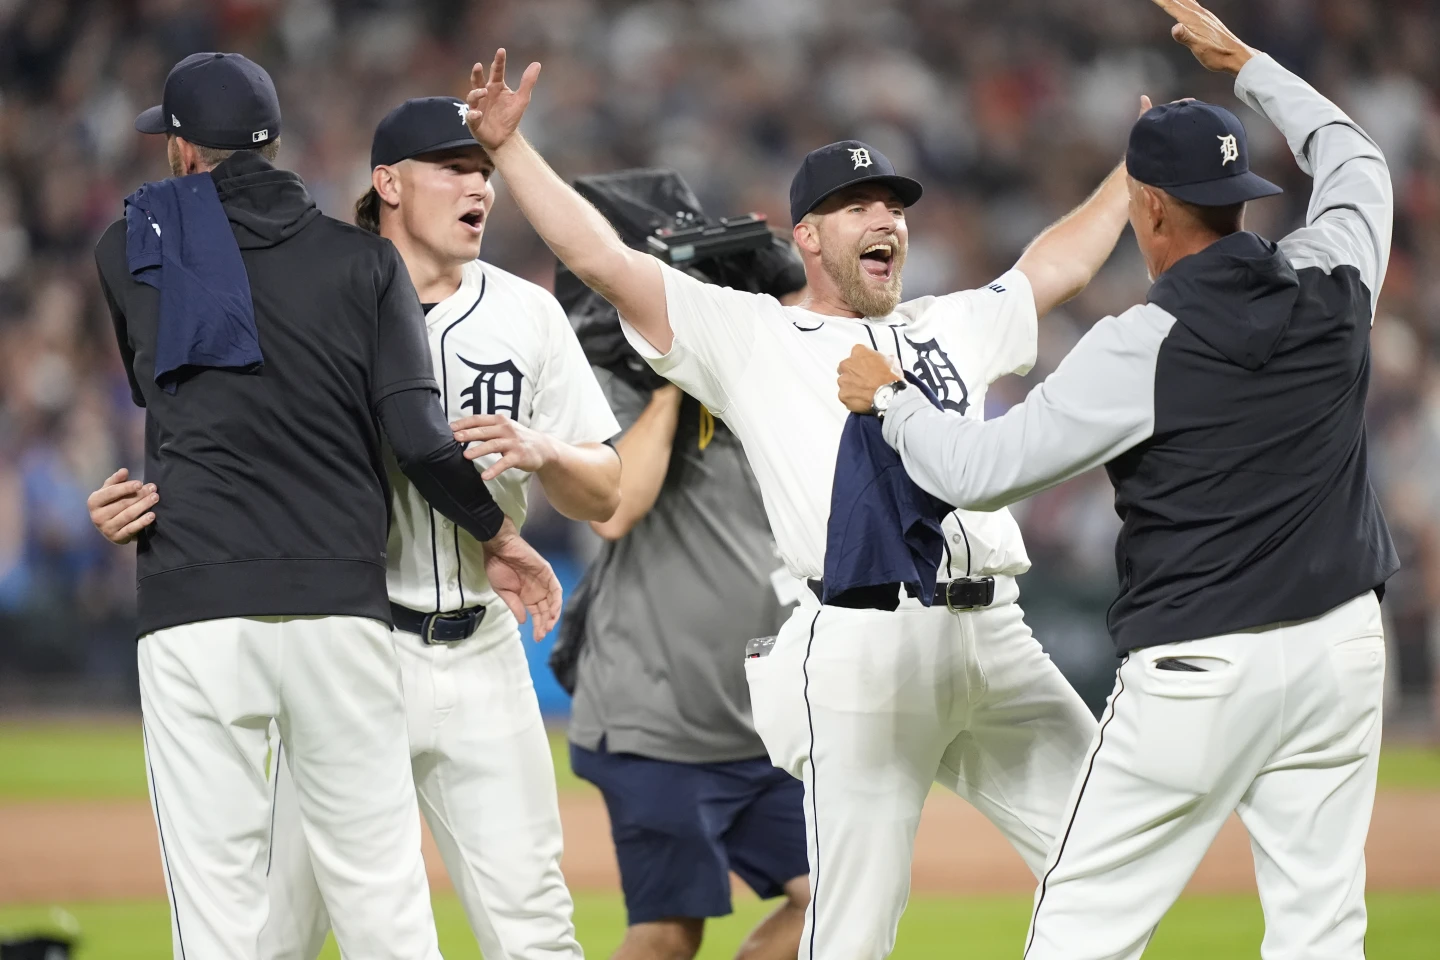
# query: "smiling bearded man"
[[875, 260], [874, 694]]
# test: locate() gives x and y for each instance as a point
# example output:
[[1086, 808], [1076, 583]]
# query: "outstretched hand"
[[1213, 44], [518, 445], [495, 109]]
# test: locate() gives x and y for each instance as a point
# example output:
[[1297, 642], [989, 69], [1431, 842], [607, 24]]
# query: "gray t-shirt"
[[672, 604]]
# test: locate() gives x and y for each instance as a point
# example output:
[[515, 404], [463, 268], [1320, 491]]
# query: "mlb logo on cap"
[[220, 100], [1196, 152]]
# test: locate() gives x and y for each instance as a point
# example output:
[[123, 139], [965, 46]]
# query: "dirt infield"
[[53, 851]]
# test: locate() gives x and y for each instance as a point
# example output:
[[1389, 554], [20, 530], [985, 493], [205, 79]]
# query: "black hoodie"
[[273, 498], [1250, 503]]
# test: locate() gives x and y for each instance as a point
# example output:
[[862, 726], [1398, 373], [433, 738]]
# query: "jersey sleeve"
[[999, 321], [715, 329], [1097, 404], [569, 403], [1351, 214]]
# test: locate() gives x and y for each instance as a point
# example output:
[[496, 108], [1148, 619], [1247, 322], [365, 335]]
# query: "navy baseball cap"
[[1196, 152], [419, 126], [836, 166], [220, 100]]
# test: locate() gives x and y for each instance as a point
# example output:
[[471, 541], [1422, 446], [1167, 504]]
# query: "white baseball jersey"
[[769, 371], [500, 345]]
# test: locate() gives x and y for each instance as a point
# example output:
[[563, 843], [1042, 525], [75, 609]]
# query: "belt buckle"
[[427, 630], [950, 605]]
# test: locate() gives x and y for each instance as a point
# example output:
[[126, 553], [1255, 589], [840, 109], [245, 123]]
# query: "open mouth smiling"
[[878, 260]]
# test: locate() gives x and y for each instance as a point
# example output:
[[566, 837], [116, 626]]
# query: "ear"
[[807, 238], [386, 181], [189, 156], [1155, 208]]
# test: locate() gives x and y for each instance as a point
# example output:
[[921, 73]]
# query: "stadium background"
[[1008, 112]]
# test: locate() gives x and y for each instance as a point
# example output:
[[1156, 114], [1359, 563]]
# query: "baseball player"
[[514, 377], [1229, 410], [867, 705]]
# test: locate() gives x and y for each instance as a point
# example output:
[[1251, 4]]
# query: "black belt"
[[449, 627], [966, 593]]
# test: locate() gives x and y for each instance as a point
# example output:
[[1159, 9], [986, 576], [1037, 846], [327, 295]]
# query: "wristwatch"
[[884, 394]]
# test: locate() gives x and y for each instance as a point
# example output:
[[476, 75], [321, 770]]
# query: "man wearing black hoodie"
[[271, 347], [1229, 412]]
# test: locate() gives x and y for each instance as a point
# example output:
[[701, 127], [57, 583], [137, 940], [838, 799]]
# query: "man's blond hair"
[[213, 156]]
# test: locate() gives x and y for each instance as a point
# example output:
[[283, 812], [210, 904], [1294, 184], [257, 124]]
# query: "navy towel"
[[178, 240], [883, 528]]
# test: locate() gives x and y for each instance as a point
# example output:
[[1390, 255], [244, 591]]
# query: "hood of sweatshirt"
[[265, 205], [1237, 295]]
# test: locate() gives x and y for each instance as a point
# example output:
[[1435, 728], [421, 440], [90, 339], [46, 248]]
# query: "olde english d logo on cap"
[[1229, 149]]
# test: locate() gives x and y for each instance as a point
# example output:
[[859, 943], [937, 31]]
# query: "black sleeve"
[[402, 357], [430, 458], [406, 401], [117, 318]]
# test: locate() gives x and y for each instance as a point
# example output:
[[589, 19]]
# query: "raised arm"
[[1066, 256], [1351, 214], [578, 234], [1352, 206]]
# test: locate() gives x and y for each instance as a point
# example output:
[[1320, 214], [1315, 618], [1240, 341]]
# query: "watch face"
[[883, 396]]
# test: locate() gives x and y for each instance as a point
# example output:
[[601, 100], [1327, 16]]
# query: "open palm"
[[1212, 43], [495, 109]]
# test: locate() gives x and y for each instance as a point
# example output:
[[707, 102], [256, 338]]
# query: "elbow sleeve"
[[435, 463]]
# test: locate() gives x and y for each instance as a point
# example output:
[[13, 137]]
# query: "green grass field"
[[99, 761], [89, 761], [1402, 927]]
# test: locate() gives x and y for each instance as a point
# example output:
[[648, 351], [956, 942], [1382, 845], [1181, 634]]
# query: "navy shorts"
[[680, 828]]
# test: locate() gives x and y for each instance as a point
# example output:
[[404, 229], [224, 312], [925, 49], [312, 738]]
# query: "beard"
[[857, 288]]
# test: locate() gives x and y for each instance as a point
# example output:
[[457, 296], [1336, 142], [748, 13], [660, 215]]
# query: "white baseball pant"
[[1282, 726], [209, 692], [869, 708], [486, 781]]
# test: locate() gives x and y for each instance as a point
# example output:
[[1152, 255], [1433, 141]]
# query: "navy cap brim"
[[152, 120], [458, 144], [908, 190], [447, 145], [1226, 191]]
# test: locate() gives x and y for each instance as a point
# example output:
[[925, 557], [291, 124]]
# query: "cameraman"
[[661, 720]]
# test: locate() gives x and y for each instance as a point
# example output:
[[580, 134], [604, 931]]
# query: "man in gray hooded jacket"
[[1229, 413]]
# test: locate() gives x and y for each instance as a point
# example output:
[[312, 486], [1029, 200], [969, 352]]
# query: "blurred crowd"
[[1009, 113]]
